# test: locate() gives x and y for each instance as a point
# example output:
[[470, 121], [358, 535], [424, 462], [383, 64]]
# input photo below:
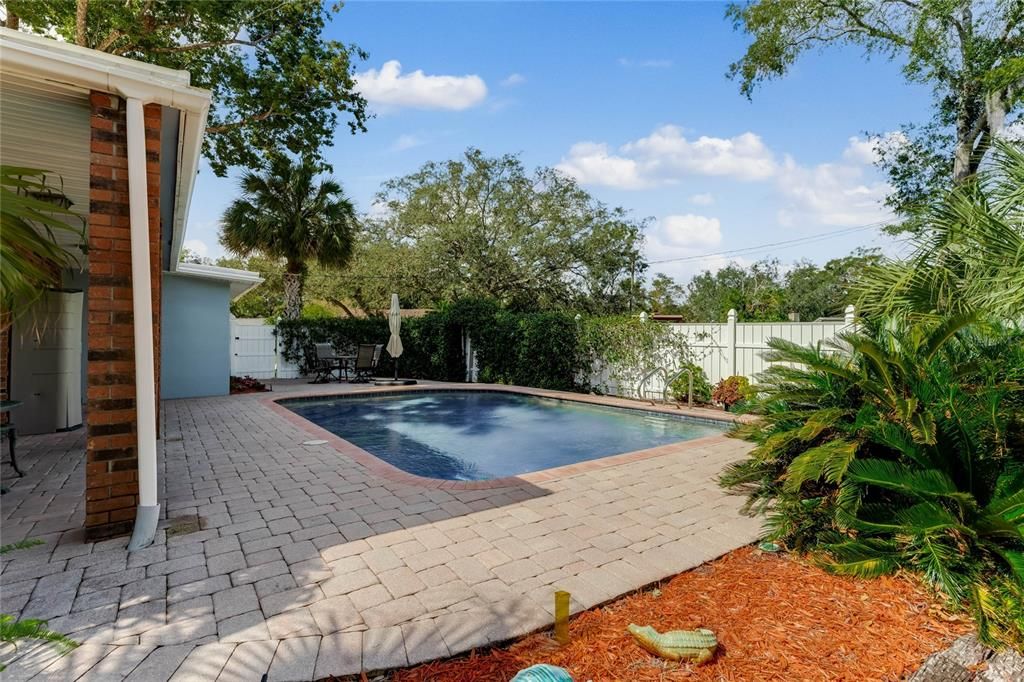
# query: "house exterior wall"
[[196, 343], [111, 444]]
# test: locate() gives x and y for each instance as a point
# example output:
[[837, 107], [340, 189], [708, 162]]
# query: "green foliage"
[[665, 295], [344, 333], [485, 227], [626, 348], [549, 349], [528, 349], [32, 226], [761, 293], [277, 82], [13, 631], [899, 446], [21, 544], [969, 257], [286, 214], [680, 388]]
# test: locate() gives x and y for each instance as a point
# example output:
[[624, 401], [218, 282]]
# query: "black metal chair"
[[367, 357], [327, 363], [8, 431]]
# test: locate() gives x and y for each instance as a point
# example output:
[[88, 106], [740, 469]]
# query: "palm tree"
[[969, 257], [286, 213]]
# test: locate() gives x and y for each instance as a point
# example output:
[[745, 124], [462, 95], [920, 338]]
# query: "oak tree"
[[971, 53], [278, 83]]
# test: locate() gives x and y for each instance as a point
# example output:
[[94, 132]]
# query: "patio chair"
[[367, 357], [327, 364]]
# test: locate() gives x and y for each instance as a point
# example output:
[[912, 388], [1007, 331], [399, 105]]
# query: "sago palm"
[[899, 446], [288, 213]]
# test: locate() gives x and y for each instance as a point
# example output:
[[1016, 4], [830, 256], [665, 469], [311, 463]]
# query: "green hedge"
[[540, 349], [430, 349]]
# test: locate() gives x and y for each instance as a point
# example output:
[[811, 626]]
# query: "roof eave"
[[64, 63]]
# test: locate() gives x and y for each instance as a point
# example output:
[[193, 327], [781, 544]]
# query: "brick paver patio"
[[308, 563]]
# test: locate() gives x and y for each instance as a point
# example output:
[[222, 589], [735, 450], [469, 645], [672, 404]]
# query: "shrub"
[[701, 386], [626, 348], [731, 391], [899, 447]]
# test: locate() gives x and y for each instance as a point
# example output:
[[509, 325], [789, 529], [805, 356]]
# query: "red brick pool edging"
[[393, 473]]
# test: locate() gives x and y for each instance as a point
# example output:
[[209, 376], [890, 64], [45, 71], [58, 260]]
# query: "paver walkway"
[[308, 564]]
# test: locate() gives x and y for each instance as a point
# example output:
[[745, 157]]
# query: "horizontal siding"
[[47, 127]]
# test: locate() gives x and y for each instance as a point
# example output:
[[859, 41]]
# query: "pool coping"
[[389, 471]]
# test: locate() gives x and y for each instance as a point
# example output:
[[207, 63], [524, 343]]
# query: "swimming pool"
[[464, 435]]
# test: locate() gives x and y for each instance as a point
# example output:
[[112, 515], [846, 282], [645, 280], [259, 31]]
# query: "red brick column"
[[111, 448]]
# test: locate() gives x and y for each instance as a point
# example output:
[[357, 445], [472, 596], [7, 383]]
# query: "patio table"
[[343, 362]]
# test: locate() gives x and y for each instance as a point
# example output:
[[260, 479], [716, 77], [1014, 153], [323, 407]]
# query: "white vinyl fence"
[[255, 351], [725, 349]]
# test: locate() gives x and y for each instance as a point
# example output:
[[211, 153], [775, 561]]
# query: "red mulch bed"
[[776, 617]]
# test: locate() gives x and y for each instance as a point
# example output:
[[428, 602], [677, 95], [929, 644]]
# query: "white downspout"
[[148, 513]]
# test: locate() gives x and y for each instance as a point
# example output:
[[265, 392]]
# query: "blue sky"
[[630, 98]]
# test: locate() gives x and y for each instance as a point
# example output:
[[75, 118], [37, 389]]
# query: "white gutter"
[[148, 513], [240, 281]]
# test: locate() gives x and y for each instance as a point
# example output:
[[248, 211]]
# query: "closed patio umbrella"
[[395, 325]]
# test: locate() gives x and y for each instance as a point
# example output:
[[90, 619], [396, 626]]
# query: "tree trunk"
[[964, 151], [12, 21], [80, 10], [293, 284]]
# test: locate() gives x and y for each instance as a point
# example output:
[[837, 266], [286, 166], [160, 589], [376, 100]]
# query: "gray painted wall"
[[195, 347]]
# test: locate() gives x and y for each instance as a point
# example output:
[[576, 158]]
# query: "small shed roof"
[[241, 280]]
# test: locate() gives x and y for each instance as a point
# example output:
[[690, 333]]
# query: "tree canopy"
[[277, 83], [971, 52], [485, 227], [763, 292]]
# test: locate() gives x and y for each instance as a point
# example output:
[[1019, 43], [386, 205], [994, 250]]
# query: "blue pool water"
[[476, 435]]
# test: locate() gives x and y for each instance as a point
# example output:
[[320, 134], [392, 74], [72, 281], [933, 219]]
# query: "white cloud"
[[666, 154], [645, 63], [688, 231], [861, 151], [744, 156], [403, 142], [702, 199], [197, 246], [513, 79], [833, 194], [683, 236], [390, 88], [590, 163]]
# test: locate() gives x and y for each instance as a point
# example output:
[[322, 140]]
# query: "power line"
[[781, 244]]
